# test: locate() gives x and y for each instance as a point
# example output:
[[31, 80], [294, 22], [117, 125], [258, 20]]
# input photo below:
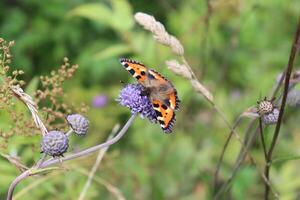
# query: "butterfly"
[[160, 91]]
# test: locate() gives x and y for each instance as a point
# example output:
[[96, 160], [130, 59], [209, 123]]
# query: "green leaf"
[[113, 51], [93, 11]]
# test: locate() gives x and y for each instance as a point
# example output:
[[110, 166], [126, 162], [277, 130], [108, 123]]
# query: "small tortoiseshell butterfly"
[[159, 90]]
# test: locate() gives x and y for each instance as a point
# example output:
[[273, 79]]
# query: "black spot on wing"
[[150, 76], [158, 114], [131, 71], [155, 105], [164, 106], [161, 122], [138, 77], [143, 73]]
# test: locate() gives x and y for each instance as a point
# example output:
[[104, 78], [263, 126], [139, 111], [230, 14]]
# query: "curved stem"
[[92, 149], [17, 180], [86, 152]]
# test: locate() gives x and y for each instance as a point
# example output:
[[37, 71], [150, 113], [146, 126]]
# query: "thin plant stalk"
[[265, 179], [216, 175], [241, 158], [294, 50], [110, 188], [248, 145], [261, 133], [96, 165]]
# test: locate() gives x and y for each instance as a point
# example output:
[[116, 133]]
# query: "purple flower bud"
[[131, 97], [78, 123], [54, 143], [99, 101]]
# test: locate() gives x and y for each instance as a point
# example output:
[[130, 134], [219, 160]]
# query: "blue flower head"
[[131, 96]]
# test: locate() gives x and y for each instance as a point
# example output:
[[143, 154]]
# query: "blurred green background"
[[236, 48]]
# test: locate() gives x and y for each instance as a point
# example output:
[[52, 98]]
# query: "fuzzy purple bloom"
[[99, 101], [131, 97]]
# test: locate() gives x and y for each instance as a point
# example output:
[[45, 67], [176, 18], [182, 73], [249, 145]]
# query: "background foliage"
[[237, 48]]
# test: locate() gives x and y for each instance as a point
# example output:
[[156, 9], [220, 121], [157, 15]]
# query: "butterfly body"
[[159, 90]]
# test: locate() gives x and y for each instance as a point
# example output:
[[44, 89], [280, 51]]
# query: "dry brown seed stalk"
[[179, 69], [18, 91], [159, 32]]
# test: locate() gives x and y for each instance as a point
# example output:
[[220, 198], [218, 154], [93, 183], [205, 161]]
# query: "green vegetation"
[[66, 56]]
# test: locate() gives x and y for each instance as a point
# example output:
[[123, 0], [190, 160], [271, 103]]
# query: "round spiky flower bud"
[[265, 106], [54, 143], [271, 118], [78, 123]]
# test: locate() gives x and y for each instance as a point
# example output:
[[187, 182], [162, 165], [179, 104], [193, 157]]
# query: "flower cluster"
[[268, 112], [52, 91], [132, 96], [54, 143]]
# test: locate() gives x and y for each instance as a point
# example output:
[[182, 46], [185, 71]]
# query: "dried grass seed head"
[[179, 69], [159, 32]]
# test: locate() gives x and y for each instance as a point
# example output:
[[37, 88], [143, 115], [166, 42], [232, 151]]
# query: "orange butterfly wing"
[[136, 69], [164, 110], [173, 100], [165, 115]]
